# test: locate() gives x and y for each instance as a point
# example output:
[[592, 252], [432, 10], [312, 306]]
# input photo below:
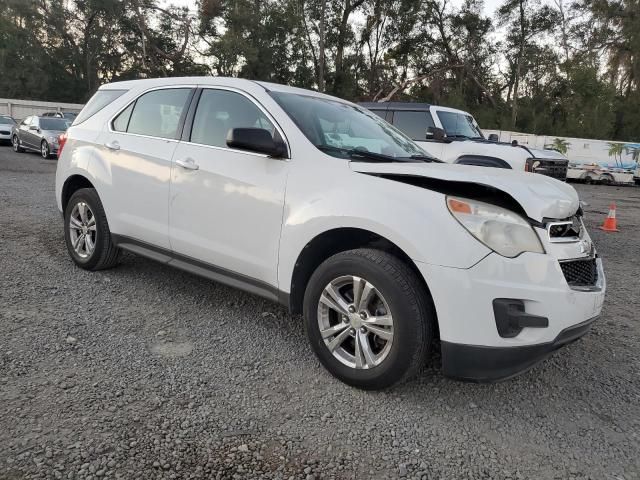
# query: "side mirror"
[[33, 127], [494, 137], [435, 133], [256, 140]]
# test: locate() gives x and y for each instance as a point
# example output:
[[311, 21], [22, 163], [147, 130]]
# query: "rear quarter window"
[[100, 99]]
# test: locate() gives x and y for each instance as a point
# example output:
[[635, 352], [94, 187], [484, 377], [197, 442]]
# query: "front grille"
[[551, 168], [580, 273]]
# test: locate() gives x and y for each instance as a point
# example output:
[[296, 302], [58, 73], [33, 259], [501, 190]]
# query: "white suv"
[[454, 136], [319, 204]]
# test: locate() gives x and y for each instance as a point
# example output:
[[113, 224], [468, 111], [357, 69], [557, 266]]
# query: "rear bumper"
[[488, 364]]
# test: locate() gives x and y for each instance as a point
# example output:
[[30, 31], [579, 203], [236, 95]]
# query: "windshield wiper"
[[363, 154], [463, 137], [426, 158]]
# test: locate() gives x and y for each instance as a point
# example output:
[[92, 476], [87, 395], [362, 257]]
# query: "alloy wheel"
[[355, 322], [16, 143], [82, 230]]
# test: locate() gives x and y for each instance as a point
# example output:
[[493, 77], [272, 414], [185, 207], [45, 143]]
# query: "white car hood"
[[549, 154], [540, 196]]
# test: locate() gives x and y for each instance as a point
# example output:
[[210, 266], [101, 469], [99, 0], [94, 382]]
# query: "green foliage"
[[566, 70], [560, 144]]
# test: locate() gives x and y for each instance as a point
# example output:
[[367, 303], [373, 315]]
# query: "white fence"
[[580, 150], [20, 109]]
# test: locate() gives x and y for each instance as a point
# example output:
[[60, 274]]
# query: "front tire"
[[86, 232], [369, 318], [16, 144], [44, 150]]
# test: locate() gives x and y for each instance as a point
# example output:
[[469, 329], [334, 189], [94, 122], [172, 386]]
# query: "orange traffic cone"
[[610, 224]]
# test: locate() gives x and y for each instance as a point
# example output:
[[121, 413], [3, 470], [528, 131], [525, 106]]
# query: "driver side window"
[[221, 110]]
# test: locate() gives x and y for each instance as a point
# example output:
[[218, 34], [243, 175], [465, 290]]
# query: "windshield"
[[54, 124], [459, 125], [7, 121], [338, 129]]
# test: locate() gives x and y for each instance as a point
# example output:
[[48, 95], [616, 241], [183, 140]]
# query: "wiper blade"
[[465, 137], [364, 154], [426, 158]]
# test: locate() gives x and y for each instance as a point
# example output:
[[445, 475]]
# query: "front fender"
[[414, 219]]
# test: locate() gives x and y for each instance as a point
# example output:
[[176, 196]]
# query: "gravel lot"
[[148, 372]]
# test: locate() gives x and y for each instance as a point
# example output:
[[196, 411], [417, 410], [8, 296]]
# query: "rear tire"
[[16, 144], [86, 232], [399, 303]]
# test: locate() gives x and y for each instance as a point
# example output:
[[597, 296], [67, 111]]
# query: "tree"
[[615, 151], [561, 145], [525, 20]]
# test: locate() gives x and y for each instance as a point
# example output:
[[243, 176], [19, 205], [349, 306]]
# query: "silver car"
[[39, 134], [6, 124]]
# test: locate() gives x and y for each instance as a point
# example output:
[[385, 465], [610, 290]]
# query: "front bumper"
[[472, 346], [489, 364]]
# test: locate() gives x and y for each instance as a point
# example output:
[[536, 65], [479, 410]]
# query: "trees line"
[[554, 67]]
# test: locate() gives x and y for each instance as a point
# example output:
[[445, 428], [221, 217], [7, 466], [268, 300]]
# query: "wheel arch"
[[71, 185], [331, 242]]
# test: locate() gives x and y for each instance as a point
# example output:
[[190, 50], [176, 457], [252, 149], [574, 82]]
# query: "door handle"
[[188, 164], [113, 145]]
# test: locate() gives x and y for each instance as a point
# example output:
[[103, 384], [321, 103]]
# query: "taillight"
[[62, 139]]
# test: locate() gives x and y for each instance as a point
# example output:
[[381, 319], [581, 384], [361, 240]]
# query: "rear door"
[[226, 205], [30, 136], [138, 145]]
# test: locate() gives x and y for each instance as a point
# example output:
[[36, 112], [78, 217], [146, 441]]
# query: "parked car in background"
[[68, 115], [319, 204], [594, 173], [6, 125], [455, 137], [40, 134]]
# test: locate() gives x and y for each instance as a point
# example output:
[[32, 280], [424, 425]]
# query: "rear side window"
[[100, 99], [156, 114], [219, 111], [413, 124], [121, 122]]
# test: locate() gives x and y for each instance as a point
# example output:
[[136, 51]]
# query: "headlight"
[[501, 230], [53, 139]]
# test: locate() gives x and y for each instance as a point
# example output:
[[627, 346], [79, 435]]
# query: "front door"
[[226, 205], [415, 124]]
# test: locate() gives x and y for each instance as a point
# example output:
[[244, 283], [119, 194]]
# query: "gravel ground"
[[148, 372]]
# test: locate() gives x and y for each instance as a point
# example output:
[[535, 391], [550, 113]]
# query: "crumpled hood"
[[540, 196]]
